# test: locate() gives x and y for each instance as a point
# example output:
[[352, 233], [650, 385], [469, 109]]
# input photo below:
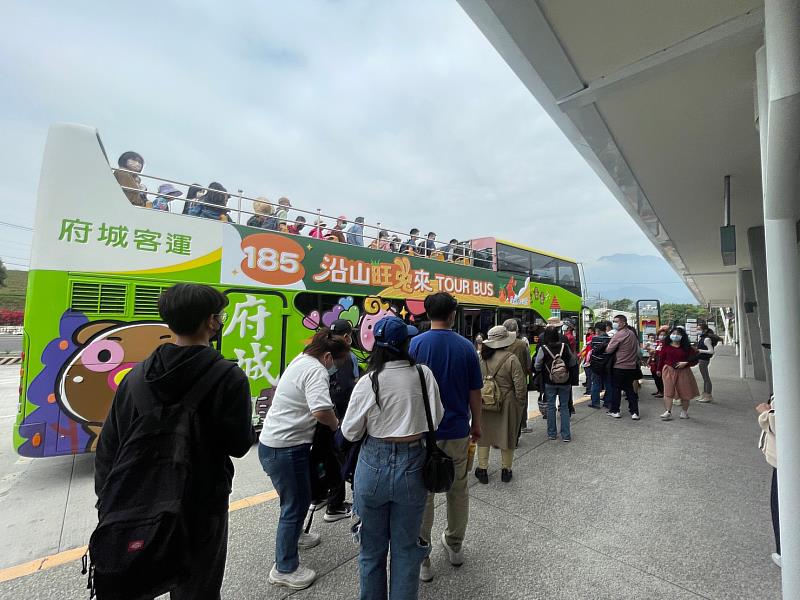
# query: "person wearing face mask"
[[187, 365], [675, 361], [568, 331], [302, 399], [624, 345], [653, 361]]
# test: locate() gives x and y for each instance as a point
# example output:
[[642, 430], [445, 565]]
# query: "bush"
[[10, 316]]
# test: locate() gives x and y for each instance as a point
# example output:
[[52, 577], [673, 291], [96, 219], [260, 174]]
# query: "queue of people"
[[434, 385]]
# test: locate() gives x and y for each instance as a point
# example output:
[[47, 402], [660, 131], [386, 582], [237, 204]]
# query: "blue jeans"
[[389, 497], [551, 390], [288, 470], [602, 381]]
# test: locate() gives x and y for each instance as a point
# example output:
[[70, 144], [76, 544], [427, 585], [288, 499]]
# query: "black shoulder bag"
[[439, 471]]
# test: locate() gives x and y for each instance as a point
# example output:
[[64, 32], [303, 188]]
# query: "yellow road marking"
[[60, 558]]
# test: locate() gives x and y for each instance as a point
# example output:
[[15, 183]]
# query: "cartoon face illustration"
[[368, 322], [107, 351]]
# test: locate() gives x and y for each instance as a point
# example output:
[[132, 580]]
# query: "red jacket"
[[670, 355]]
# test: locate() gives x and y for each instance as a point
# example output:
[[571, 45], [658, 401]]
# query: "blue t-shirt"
[[454, 363]]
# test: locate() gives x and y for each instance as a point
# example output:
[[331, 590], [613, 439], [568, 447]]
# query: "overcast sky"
[[398, 111]]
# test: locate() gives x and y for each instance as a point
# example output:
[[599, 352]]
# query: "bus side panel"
[[43, 429]]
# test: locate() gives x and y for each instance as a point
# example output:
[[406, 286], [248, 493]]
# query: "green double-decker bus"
[[99, 265]]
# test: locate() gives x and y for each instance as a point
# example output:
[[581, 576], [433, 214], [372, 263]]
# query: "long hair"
[[216, 194], [685, 345], [378, 359], [486, 352], [550, 336]]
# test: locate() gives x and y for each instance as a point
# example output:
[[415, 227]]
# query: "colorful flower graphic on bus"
[[83, 368], [343, 309]]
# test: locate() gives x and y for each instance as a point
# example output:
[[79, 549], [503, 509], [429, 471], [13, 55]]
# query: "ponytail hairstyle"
[[325, 341]]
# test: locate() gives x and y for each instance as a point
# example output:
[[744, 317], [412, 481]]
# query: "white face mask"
[[615, 326], [675, 337]]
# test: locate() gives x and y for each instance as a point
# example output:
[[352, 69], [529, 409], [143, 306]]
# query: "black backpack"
[[143, 543]]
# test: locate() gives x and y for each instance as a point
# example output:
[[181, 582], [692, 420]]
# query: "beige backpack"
[[491, 396]]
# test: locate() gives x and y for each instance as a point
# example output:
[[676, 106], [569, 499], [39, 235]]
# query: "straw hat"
[[554, 322], [499, 337]]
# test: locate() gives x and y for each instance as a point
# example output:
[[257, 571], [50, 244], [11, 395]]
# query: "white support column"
[[781, 211]]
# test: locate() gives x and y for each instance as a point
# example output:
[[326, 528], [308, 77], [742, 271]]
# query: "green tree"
[[625, 304], [680, 312], [3, 274]]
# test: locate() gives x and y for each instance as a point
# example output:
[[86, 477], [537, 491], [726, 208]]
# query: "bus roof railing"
[[470, 256]]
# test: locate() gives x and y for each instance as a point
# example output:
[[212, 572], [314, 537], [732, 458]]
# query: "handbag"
[[439, 472]]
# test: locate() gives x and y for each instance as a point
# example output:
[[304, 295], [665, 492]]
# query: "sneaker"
[[705, 398], [456, 558], [666, 415], [684, 414], [308, 540], [658, 395], [425, 571], [614, 415], [299, 579], [506, 475], [482, 475], [318, 505], [526, 430], [552, 439], [776, 558], [635, 416], [676, 402], [566, 439], [332, 515], [594, 406]]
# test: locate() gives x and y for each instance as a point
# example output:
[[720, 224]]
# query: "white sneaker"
[[456, 558], [776, 558], [676, 402], [425, 571], [300, 579], [317, 505], [684, 414], [614, 415], [666, 415], [705, 398], [635, 416], [308, 540]]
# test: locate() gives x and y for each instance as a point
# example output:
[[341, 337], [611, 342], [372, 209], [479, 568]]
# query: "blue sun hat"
[[392, 332]]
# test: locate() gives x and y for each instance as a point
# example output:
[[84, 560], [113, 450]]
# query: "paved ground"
[[10, 344], [627, 510]]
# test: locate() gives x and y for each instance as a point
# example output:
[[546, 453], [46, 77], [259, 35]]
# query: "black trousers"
[[208, 570], [659, 381], [623, 382], [773, 504], [336, 496]]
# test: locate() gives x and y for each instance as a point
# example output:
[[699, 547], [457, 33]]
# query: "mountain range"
[[635, 276]]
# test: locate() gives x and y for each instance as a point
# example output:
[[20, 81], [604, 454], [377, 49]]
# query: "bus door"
[[473, 321], [254, 335]]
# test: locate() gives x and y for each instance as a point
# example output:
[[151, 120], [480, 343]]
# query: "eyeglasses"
[[222, 317]]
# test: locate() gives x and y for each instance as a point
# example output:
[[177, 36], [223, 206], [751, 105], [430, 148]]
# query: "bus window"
[[513, 259], [568, 275], [544, 268]]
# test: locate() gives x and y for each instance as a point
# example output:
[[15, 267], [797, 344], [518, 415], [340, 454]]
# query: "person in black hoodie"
[[194, 313]]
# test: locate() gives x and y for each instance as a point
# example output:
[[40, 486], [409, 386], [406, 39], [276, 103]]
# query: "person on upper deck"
[[338, 231], [132, 161], [355, 233], [410, 245], [166, 194], [428, 246], [214, 203], [265, 215], [394, 244], [196, 192], [282, 213], [297, 227], [382, 243]]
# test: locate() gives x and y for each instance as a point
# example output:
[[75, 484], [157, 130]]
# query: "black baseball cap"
[[341, 327]]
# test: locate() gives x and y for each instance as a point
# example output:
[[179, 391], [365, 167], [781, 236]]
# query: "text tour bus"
[[99, 263]]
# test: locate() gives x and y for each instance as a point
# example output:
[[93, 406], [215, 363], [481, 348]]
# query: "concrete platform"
[[627, 510]]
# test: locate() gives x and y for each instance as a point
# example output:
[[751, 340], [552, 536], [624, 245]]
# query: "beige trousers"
[[457, 497], [506, 458]]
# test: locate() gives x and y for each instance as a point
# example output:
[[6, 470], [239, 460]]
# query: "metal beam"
[[739, 30]]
